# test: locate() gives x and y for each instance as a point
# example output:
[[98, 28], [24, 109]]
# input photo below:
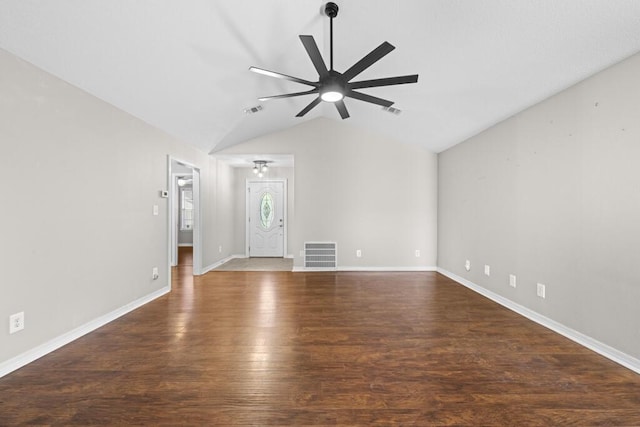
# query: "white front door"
[[266, 218]]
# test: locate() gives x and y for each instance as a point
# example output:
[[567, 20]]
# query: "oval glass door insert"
[[266, 210]]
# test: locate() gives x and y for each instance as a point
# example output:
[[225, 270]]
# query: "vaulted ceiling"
[[183, 66]]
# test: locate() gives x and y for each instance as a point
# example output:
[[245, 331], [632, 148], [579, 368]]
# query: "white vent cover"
[[320, 255]]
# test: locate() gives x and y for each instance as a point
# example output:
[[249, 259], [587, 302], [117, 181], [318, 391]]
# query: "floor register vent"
[[320, 255]]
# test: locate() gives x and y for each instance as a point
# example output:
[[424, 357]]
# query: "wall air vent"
[[320, 255]]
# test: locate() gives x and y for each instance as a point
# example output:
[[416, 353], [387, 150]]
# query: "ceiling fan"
[[333, 86]]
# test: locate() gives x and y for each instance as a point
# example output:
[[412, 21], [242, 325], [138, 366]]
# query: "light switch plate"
[[541, 290]]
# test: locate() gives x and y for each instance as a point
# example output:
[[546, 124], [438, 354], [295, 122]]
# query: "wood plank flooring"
[[321, 349]]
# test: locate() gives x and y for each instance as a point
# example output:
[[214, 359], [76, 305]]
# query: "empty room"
[[313, 213]]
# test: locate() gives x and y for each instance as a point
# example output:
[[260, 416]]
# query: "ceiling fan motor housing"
[[333, 79]]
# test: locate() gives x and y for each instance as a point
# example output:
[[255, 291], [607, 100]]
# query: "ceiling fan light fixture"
[[333, 86], [332, 90], [332, 96]]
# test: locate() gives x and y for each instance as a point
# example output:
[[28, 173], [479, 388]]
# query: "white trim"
[[365, 269], [289, 256], [222, 261], [311, 270], [170, 202], [387, 269], [185, 245], [197, 222], [611, 353], [64, 339]]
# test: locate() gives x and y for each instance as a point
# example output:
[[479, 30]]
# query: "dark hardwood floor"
[[278, 348]]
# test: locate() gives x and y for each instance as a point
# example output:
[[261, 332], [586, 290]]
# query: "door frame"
[[172, 236], [285, 209]]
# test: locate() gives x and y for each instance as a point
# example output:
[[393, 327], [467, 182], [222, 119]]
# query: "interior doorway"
[[184, 215], [182, 209], [266, 208]]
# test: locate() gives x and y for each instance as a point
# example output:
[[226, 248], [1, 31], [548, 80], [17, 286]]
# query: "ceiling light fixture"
[[260, 167], [183, 180]]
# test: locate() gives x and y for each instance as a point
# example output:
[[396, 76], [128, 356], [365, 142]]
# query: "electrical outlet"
[[16, 322], [417, 253], [358, 253], [541, 290], [487, 270], [219, 248], [154, 273], [156, 210], [467, 265], [302, 253], [512, 280]]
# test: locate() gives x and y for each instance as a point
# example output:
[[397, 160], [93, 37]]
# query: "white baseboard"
[[290, 256], [64, 339], [365, 269], [387, 269], [611, 353], [296, 269], [222, 261], [185, 245]]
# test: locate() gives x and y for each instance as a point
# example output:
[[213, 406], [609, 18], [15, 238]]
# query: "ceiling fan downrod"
[[331, 10]]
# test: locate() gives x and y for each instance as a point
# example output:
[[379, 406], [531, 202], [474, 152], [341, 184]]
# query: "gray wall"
[[78, 236], [360, 189], [552, 195], [219, 213]]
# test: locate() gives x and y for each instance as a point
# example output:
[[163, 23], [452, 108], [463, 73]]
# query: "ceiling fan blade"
[[288, 95], [309, 107], [282, 76], [342, 109], [371, 58], [400, 80], [314, 53], [369, 98]]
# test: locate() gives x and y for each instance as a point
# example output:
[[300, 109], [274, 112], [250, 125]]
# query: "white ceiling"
[[183, 66]]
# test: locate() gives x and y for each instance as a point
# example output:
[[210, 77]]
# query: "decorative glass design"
[[266, 210]]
